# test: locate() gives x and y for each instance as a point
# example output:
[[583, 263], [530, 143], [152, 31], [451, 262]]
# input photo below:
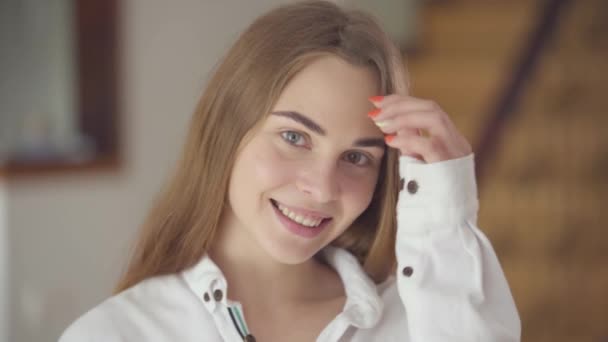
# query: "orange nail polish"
[[372, 114], [389, 138], [376, 99]]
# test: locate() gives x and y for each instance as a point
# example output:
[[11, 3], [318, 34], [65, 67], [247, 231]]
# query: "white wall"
[[69, 234], [3, 264]]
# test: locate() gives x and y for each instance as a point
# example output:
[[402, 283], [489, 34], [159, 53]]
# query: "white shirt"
[[449, 285]]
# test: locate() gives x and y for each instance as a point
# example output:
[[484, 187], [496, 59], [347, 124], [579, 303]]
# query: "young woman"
[[314, 201]]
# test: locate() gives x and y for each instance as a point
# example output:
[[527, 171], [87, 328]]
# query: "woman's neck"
[[253, 275]]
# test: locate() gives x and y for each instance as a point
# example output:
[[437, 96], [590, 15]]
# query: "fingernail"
[[389, 138], [372, 114], [383, 123], [376, 99]]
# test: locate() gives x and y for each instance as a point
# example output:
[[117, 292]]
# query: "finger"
[[430, 150], [435, 124], [386, 100], [403, 133], [396, 104]]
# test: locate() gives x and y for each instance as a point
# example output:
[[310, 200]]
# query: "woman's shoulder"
[[119, 317], [95, 325]]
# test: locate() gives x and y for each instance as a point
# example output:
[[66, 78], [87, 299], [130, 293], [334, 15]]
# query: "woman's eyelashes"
[[357, 158], [297, 139], [294, 138]]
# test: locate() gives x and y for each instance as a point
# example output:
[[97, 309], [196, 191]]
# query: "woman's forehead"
[[333, 80], [332, 91]]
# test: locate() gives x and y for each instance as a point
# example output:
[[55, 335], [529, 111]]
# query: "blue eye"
[[293, 138], [357, 158]]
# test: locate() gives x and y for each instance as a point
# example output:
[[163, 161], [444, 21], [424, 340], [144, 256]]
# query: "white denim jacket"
[[449, 285]]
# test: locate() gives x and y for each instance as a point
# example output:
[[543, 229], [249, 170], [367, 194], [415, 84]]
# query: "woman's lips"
[[299, 229], [302, 212]]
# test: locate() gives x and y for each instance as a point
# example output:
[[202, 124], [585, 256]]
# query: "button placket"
[[412, 187], [214, 294], [407, 271], [209, 302], [407, 171], [218, 295]]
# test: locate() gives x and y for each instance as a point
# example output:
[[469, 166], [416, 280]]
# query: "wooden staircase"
[[544, 199]]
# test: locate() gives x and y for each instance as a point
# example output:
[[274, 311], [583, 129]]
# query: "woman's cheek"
[[272, 168], [359, 190]]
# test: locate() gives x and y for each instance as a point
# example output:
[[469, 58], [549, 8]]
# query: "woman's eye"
[[294, 138], [357, 158]]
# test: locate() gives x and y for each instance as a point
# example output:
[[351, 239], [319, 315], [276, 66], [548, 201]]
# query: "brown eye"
[[356, 158]]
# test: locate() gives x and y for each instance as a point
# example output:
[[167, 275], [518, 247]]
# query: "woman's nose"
[[320, 182]]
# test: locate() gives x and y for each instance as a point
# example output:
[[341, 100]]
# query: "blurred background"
[[95, 97]]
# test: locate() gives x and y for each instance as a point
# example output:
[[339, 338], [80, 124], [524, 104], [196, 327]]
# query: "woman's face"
[[311, 168]]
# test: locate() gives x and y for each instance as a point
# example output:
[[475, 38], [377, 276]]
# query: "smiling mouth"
[[305, 220]]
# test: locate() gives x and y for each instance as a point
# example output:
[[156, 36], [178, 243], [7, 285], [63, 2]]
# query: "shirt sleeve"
[[94, 326], [449, 278]]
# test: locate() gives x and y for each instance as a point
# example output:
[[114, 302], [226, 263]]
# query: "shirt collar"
[[205, 279], [363, 306]]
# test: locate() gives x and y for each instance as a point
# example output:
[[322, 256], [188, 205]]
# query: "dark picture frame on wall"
[[95, 98]]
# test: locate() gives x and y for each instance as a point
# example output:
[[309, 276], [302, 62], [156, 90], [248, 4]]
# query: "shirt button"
[[401, 184], [206, 297], [412, 187], [408, 271], [217, 295], [249, 338]]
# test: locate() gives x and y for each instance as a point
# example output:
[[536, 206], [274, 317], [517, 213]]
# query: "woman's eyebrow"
[[304, 120], [370, 142], [313, 126]]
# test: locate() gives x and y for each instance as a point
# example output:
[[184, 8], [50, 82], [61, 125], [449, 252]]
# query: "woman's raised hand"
[[418, 128]]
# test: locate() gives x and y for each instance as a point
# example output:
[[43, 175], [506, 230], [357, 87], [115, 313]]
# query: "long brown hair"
[[183, 222]]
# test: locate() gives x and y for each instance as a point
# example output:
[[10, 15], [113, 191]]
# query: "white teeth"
[[303, 220]]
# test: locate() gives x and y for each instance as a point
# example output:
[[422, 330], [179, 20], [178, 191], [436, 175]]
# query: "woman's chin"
[[291, 255]]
